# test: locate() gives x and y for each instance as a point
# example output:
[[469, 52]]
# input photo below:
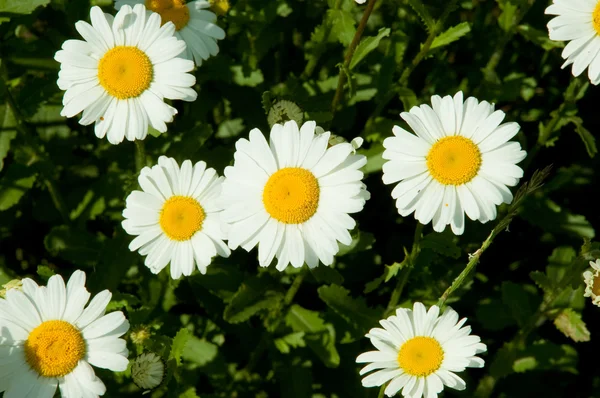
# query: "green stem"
[[349, 53], [28, 136], [140, 155], [409, 261], [382, 391], [291, 293]]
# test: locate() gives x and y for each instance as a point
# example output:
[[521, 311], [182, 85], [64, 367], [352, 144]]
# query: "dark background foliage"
[[240, 331]]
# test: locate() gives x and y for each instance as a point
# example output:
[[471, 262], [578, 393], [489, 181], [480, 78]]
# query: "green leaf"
[[353, 310], [518, 301], [75, 245], [539, 37], [199, 351], [302, 320], [423, 13], [21, 6], [45, 272], [286, 343], [508, 16], [551, 217], [525, 364], [571, 325], [342, 25], [179, 345], [15, 182], [441, 243], [122, 301], [323, 344], [389, 272], [7, 132], [326, 274], [253, 79], [252, 297], [588, 139], [451, 35], [367, 45], [360, 241], [542, 280]]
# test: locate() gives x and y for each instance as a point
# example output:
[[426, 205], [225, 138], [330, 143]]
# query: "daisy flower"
[[460, 161], [291, 196], [49, 339], [122, 71], [578, 22], [419, 351], [592, 282], [194, 24], [176, 217], [148, 371]]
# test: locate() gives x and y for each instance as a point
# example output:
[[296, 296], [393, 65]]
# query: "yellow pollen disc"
[[181, 217], [291, 195], [170, 10], [54, 348], [420, 356], [125, 72], [596, 18], [454, 160], [596, 284]]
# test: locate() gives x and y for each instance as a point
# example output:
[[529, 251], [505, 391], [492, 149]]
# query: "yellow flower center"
[[54, 348], [596, 18], [125, 72], [596, 284], [291, 195], [420, 356], [181, 217], [170, 10], [454, 160]]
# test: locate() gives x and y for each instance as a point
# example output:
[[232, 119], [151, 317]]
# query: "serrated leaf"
[[252, 297], [507, 18], [367, 45], [571, 325], [286, 343], [586, 137], [542, 280], [179, 343], [302, 320], [15, 182], [353, 310], [441, 243], [451, 35], [21, 6], [319, 336], [422, 12], [342, 25]]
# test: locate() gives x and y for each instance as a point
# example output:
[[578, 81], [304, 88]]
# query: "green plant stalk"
[[526, 189], [140, 155], [349, 53], [25, 129], [410, 260]]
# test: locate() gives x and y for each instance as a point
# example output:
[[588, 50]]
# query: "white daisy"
[[292, 195], [578, 22], [194, 24], [419, 352], [592, 282], [148, 371], [120, 75], [176, 217], [459, 161], [49, 339]]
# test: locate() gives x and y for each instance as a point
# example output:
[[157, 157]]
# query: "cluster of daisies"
[[290, 194]]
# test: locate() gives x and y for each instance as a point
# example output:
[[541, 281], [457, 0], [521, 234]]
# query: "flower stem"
[[409, 263], [526, 189], [349, 53], [140, 155]]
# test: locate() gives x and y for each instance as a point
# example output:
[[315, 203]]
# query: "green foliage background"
[[241, 331]]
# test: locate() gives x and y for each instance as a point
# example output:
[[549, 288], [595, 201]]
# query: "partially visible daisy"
[[361, 1], [194, 24], [292, 196], [122, 71], [578, 22], [420, 351], [592, 282], [176, 217], [460, 161], [148, 371], [49, 339]]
